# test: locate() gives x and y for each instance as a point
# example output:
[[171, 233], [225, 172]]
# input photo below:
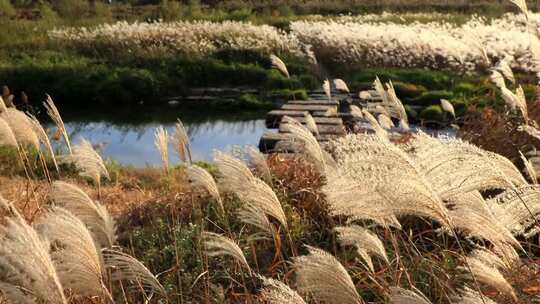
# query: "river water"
[[127, 135]]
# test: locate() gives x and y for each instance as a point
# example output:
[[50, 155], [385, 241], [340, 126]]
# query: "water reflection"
[[130, 139]]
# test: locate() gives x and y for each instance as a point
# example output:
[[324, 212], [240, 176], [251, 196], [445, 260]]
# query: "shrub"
[[6, 9], [429, 98], [72, 9], [432, 113], [170, 10]]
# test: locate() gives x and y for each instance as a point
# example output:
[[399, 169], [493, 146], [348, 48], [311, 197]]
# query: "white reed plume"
[[43, 138], [279, 65], [498, 79], [54, 114], [219, 245], [323, 276], [126, 268], [277, 292], [161, 141], [310, 145], [181, 143], [403, 124], [513, 209], [26, 263], [379, 131], [327, 89], [377, 172], [385, 121], [488, 275], [516, 101], [3, 106], [87, 161], [341, 85], [522, 5], [77, 258], [255, 216], [365, 241], [471, 214], [21, 127], [453, 166], [489, 258], [258, 160], [529, 168], [448, 107], [396, 107], [532, 131], [93, 214], [198, 177], [471, 296], [311, 124], [400, 295], [234, 173], [7, 138], [237, 177], [504, 68], [356, 111]]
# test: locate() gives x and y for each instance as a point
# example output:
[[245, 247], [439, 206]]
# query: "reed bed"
[[370, 40]]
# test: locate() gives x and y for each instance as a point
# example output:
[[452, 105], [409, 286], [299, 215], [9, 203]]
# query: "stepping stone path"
[[333, 117]]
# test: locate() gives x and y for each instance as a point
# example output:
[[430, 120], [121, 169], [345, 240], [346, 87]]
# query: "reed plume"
[[237, 177], [356, 111], [277, 292], [311, 125], [7, 138], [341, 85], [448, 107], [54, 114], [161, 141], [379, 131], [453, 166], [25, 262], [3, 106], [471, 296], [309, 144], [375, 171], [93, 214], [258, 160], [279, 65], [503, 67], [327, 89], [498, 79], [21, 127], [43, 138], [529, 168], [252, 215], [532, 131], [489, 275], [513, 209], [400, 295], [76, 257], [198, 177], [126, 268], [471, 214], [385, 122], [522, 5], [181, 143], [219, 245], [516, 101], [365, 241], [323, 276], [87, 161]]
